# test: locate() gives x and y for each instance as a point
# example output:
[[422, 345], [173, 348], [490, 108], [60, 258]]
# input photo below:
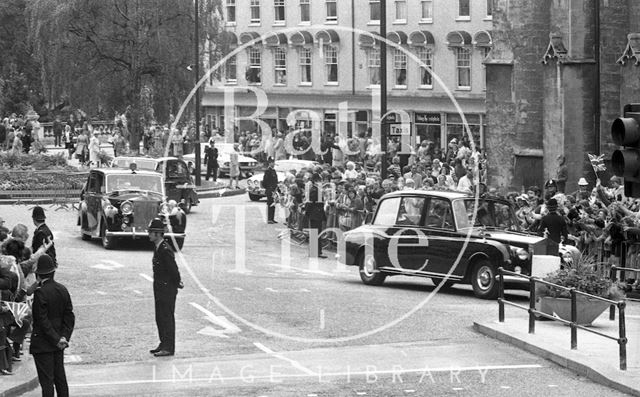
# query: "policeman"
[[270, 184], [53, 322], [166, 281], [211, 160], [42, 235]]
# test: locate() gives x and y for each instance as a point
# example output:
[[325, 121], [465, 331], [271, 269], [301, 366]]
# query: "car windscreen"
[[141, 164], [488, 213], [144, 182]]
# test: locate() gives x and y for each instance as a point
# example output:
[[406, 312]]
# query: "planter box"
[[587, 309]]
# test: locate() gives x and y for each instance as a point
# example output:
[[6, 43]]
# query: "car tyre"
[[483, 280], [369, 273], [445, 284], [107, 242], [186, 207], [254, 197]]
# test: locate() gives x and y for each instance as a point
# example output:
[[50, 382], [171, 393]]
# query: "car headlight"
[[520, 253], [126, 208]]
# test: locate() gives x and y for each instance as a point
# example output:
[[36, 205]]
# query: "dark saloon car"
[[177, 179], [118, 203], [431, 233]]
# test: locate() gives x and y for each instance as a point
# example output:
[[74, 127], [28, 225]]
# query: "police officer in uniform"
[[166, 281], [53, 322], [211, 160], [270, 184], [42, 235]]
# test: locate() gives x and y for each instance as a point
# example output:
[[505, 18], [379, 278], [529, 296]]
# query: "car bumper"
[[256, 191], [139, 233]]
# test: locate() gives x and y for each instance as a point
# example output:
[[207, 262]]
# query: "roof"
[[448, 194], [123, 171]]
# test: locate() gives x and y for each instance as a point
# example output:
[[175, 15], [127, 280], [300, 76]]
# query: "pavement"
[[596, 357]]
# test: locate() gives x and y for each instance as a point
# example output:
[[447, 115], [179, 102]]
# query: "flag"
[[19, 311], [597, 162]]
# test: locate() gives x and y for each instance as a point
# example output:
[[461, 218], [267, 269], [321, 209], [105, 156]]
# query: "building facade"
[[558, 75], [303, 61]]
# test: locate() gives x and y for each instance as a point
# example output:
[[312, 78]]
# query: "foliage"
[[104, 157], [583, 276], [118, 56], [31, 161]]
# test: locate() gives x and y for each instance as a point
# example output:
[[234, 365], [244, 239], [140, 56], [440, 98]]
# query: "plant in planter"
[[581, 274]]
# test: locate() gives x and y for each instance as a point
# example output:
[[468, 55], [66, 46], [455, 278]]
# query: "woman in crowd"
[[94, 150], [81, 147]]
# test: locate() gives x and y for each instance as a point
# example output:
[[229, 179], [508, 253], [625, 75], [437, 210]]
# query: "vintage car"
[[248, 164], [177, 180], [117, 203], [434, 233], [254, 184]]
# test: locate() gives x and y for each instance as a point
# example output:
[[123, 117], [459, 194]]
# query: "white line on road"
[[505, 387], [361, 393], [294, 363], [409, 391], [300, 269], [137, 292], [237, 288], [271, 289], [269, 377], [304, 290], [458, 388], [146, 277], [221, 321], [101, 293]]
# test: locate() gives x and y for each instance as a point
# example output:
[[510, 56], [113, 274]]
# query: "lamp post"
[[384, 127], [197, 96]]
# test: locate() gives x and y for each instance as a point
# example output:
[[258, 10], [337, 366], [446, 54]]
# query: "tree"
[[117, 54]]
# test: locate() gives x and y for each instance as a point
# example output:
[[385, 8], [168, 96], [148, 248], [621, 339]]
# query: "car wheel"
[[445, 284], [254, 197], [107, 242], [369, 273], [483, 280], [85, 236]]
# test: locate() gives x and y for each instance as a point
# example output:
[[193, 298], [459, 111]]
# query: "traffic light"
[[625, 131]]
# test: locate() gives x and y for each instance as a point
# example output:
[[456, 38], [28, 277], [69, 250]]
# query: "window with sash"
[[280, 66]]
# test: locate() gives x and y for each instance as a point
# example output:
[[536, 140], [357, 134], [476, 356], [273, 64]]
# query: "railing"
[[621, 339]]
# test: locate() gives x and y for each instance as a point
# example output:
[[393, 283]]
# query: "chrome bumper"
[[140, 233]]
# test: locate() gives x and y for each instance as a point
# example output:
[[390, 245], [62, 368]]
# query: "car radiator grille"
[[143, 213]]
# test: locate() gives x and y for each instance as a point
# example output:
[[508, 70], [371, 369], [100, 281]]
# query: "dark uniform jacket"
[[211, 156], [270, 180], [165, 269], [40, 237], [53, 317], [314, 208], [556, 225]]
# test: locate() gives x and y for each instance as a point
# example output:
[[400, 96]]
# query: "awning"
[[300, 38], [397, 37], [328, 36], [228, 38], [368, 40], [246, 37], [482, 39], [458, 38], [420, 38], [275, 39]]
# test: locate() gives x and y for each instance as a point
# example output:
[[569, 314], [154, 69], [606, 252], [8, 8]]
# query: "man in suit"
[[553, 226], [211, 160], [314, 210], [270, 184], [53, 322], [42, 235], [166, 281]]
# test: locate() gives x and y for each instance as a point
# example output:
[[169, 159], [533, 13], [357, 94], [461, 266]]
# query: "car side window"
[[439, 214], [410, 212], [387, 212]]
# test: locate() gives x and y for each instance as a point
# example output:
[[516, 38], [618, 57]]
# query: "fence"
[[533, 312]]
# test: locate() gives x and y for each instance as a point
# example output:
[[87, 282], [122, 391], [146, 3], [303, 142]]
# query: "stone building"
[[552, 90], [310, 56]]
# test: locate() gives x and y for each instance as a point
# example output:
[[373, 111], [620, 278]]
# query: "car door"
[[171, 179], [93, 198], [444, 242], [411, 243]]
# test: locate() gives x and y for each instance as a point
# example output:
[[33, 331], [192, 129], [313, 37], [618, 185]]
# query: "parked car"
[[254, 184], [178, 183], [248, 164], [117, 203], [430, 233]]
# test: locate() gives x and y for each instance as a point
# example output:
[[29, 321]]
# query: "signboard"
[[399, 130], [428, 118]]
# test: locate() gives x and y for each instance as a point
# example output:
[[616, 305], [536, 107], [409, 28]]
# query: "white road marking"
[[72, 358], [294, 363], [237, 288], [146, 277], [361, 393], [271, 289], [304, 290], [137, 292], [101, 293], [409, 391], [269, 377], [221, 321], [553, 385], [300, 269], [458, 388], [210, 331], [106, 264], [505, 387], [321, 318]]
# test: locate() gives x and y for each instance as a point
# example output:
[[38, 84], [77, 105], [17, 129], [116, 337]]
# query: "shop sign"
[[428, 118]]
